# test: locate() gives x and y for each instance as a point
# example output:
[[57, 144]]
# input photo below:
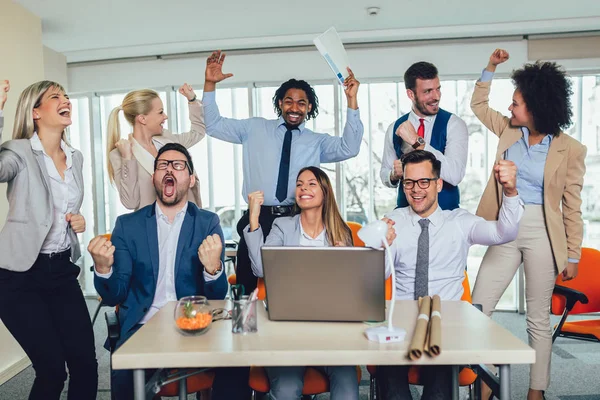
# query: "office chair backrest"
[[355, 227], [587, 282]]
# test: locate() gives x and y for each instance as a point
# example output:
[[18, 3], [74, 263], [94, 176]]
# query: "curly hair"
[[546, 90], [313, 100]]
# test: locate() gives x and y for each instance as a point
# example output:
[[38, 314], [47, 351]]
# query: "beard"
[[422, 107]]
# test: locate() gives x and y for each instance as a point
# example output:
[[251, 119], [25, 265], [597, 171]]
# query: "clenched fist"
[[506, 174], [209, 253], [390, 235], [76, 221], [102, 251], [125, 147], [499, 56], [255, 200], [4, 89], [397, 172], [187, 91]]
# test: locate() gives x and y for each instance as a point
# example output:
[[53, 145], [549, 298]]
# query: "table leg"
[[183, 389], [139, 383], [504, 382], [455, 385]]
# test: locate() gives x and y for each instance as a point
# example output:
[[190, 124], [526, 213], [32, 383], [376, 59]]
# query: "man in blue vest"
[[426, 127]]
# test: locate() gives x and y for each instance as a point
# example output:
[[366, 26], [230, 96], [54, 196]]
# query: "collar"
[[436, 218], [300, 128], [161, 215], [545, 141], [428, 118], [320, 236], [36, 144]]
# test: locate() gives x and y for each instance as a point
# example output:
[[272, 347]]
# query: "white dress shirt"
[[307, 241], [453, 159], [65, 195], [451, 233], [168, 237]]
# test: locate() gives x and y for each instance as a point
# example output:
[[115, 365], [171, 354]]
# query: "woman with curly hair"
[[549, 180]]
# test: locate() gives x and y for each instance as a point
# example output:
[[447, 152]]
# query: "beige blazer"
[[563, 180], [30, 206], [133, 178]]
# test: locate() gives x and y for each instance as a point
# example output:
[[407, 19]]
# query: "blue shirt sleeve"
[[486, 76]]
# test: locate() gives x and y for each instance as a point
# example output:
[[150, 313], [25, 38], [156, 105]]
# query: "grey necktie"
[[422, 270]]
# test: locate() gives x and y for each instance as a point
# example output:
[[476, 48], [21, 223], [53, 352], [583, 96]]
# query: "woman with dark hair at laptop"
[[316, 223]]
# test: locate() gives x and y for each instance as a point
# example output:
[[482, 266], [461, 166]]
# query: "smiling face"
[[309, 193], [294, 107], [171, 185], [520, 116], [54, 110], [155, 119], [423, 201], [426, 96]]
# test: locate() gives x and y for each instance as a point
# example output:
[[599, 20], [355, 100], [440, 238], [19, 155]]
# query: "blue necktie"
[[284, 167]]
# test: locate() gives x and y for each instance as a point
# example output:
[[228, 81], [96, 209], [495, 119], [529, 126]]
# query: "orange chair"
[[466, 376], [355, 227], [579, 296]]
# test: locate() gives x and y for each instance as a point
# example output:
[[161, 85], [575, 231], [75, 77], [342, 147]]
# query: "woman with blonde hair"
[[318, 224], [131, 161], [41, 302]]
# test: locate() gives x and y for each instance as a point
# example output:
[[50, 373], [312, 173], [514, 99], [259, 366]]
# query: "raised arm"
[[334, 149], [196, 112], [391, 167], [212, 257], [227, 129], [125, 169], [492, 119], [10, 162], [506, 228]]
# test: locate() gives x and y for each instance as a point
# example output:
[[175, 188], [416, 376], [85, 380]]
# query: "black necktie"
[[284, 167]]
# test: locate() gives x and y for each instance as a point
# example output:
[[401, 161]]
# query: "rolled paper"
[[415, 350], [426, 345], [435, 336]]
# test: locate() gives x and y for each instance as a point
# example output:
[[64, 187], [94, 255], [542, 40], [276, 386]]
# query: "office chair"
[[579, 296]]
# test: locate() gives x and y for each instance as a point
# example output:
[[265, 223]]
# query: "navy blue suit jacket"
[[135, 270]]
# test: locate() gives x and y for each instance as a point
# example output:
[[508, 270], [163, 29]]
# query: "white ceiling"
[[91, 30]]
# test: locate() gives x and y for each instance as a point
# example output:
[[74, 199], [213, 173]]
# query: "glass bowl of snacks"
[[193, 316]]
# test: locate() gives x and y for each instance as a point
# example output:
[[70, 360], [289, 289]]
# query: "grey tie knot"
[[424, 223]]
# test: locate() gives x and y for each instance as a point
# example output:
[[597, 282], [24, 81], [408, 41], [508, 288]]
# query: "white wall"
[[452, 59], [22, 63], [55, 67]]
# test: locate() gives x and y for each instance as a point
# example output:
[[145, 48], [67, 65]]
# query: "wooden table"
[[468, 337]]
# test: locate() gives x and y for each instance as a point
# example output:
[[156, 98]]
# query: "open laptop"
[[324, 283]]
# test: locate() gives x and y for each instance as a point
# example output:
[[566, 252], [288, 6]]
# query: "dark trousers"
[[392, 381], [229, 384], [243, 271], [44, 309]]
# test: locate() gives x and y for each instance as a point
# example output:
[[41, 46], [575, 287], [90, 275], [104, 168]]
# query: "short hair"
[[419, 156], [313, 100], [177, 147], [420, 70], [546, 91]]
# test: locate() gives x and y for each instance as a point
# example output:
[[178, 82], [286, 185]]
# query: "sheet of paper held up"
[[331, 48]]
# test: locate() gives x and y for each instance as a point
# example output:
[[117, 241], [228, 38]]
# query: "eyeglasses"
[[423, 182], [178, 165]]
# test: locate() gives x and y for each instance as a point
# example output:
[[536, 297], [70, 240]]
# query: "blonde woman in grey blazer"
[[318, 224], [131, 161], [41, 302]]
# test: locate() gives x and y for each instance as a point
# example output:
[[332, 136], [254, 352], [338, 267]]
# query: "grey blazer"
[[29, 203], [286, 231]]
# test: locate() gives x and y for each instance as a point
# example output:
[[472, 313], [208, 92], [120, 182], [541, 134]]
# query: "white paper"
[[331, 48]]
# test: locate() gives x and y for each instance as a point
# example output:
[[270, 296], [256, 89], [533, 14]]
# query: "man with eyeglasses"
[[426, 127], [161, 253], [430, 252]]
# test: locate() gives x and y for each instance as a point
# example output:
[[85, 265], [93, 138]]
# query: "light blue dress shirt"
[[262, 142], [530, 162]]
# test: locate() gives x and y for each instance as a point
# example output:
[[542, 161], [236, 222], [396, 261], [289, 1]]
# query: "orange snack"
[[199, 321]]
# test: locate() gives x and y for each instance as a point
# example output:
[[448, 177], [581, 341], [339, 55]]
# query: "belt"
[[56, 256], [277, 210]]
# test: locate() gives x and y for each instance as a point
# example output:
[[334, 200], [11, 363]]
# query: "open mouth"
[[169, 186], [306, 197], [65, 112], [294, 118], [418, 199]]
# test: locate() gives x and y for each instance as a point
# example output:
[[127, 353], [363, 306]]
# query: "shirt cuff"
[[105, 276], [353, 114], [512, 201], [573, 260], [208, 277], [486, 76], [208, 98]]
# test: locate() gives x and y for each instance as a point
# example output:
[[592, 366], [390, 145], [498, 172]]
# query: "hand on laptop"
[[255, 200], [390, 236]]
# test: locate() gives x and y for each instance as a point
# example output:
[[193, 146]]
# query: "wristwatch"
[[420, 142], [216, 270]]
